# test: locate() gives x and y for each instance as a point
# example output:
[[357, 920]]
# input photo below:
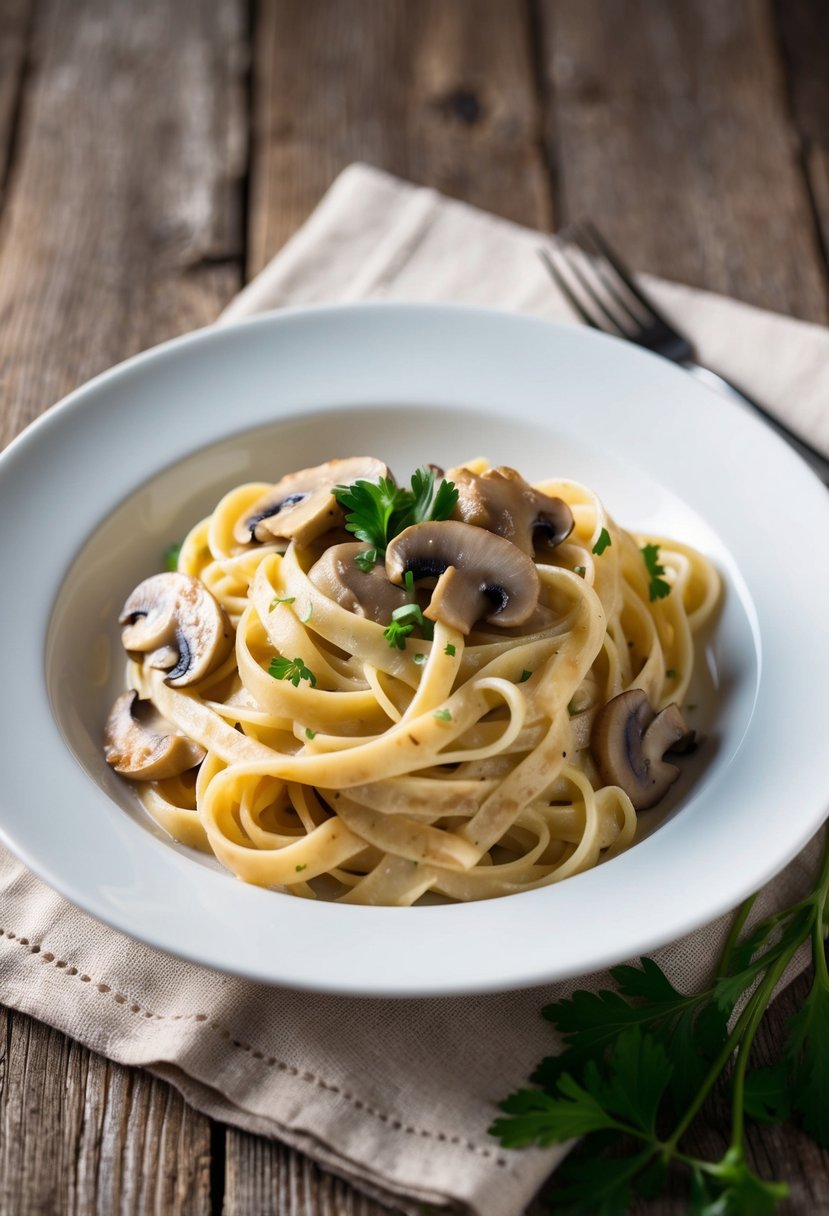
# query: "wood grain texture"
[[122, 225], [272, 1180], [804, 30], [669, 128], [80, 1135], [440, 93], [15, 33]]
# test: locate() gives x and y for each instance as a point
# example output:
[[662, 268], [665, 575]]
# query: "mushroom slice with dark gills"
[[142, 745], [480, 576], [628, 742], [366, 593], [302, 505], [179, 625], [503, 502]]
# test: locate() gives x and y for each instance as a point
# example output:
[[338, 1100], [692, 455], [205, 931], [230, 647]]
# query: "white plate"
[[92, 494]]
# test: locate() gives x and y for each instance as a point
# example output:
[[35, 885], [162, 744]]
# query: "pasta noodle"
[[462, 765]]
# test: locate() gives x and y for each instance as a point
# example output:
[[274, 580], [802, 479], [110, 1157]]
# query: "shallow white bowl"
[[92, 494]]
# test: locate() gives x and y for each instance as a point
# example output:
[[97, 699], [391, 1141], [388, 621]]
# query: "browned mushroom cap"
[[142, 745], [480, 576], [628, 742], [302, 506], [175, 620], [503, 502], [368, 594]]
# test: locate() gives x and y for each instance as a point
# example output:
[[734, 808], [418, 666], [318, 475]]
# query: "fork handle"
[[816, 461]]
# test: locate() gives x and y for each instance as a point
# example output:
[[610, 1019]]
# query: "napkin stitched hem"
[[70, 970]]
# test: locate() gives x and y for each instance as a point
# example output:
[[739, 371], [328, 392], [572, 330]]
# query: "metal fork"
[[602, 291]]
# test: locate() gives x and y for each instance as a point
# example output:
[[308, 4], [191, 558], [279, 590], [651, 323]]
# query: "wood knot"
[[462, 105]]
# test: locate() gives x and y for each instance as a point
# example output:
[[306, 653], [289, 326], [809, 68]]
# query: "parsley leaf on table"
[[808, 1052], [638, 1063]]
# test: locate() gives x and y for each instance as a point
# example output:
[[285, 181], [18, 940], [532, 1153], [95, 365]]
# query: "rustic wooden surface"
[[154, 156]]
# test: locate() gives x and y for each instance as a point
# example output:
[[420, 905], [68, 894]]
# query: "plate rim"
[[313, 315]]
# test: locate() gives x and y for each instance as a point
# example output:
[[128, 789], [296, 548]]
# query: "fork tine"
[[573, 262], [566, 290], [607, 274], [624, 274]]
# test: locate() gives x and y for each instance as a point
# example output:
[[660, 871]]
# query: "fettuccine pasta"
[[377, 754]]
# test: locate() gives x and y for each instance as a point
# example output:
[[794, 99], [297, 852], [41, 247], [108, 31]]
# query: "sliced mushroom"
[[142, 745], [368, 594], [302, 505], [181, 627], [628, 742], [480, 576], [503, 502]]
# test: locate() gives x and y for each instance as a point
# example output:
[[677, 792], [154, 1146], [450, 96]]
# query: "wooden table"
[[155, 155]]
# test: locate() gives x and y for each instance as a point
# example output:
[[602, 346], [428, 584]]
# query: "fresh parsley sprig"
[[659, 587], [377, 511], [639, 1061]]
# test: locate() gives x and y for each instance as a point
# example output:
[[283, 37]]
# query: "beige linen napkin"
[[396, 1096]]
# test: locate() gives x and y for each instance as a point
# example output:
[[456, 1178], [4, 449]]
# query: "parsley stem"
[[736, 929], [821, 893], [712, 1076], [756, 1009]]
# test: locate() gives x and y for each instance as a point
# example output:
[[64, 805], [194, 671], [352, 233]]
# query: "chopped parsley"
[[658, 587], [281, 599], [604, 542], [310, 734], [525, 675], [299, 869], [377, 511], [171, 554], [396, 634], [443, 715], [419, 658], [671, 673], [580, 570], [291, 669], [449, 650], [403, 621], [307, 614], [366, 560], [571, 709]]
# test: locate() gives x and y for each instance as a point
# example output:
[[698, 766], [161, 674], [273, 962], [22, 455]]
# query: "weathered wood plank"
[[15, 31], [670, 130], [122, 226], [79, 1135], [123, 223], [267, 1178], [439, 93], [804, 29]]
